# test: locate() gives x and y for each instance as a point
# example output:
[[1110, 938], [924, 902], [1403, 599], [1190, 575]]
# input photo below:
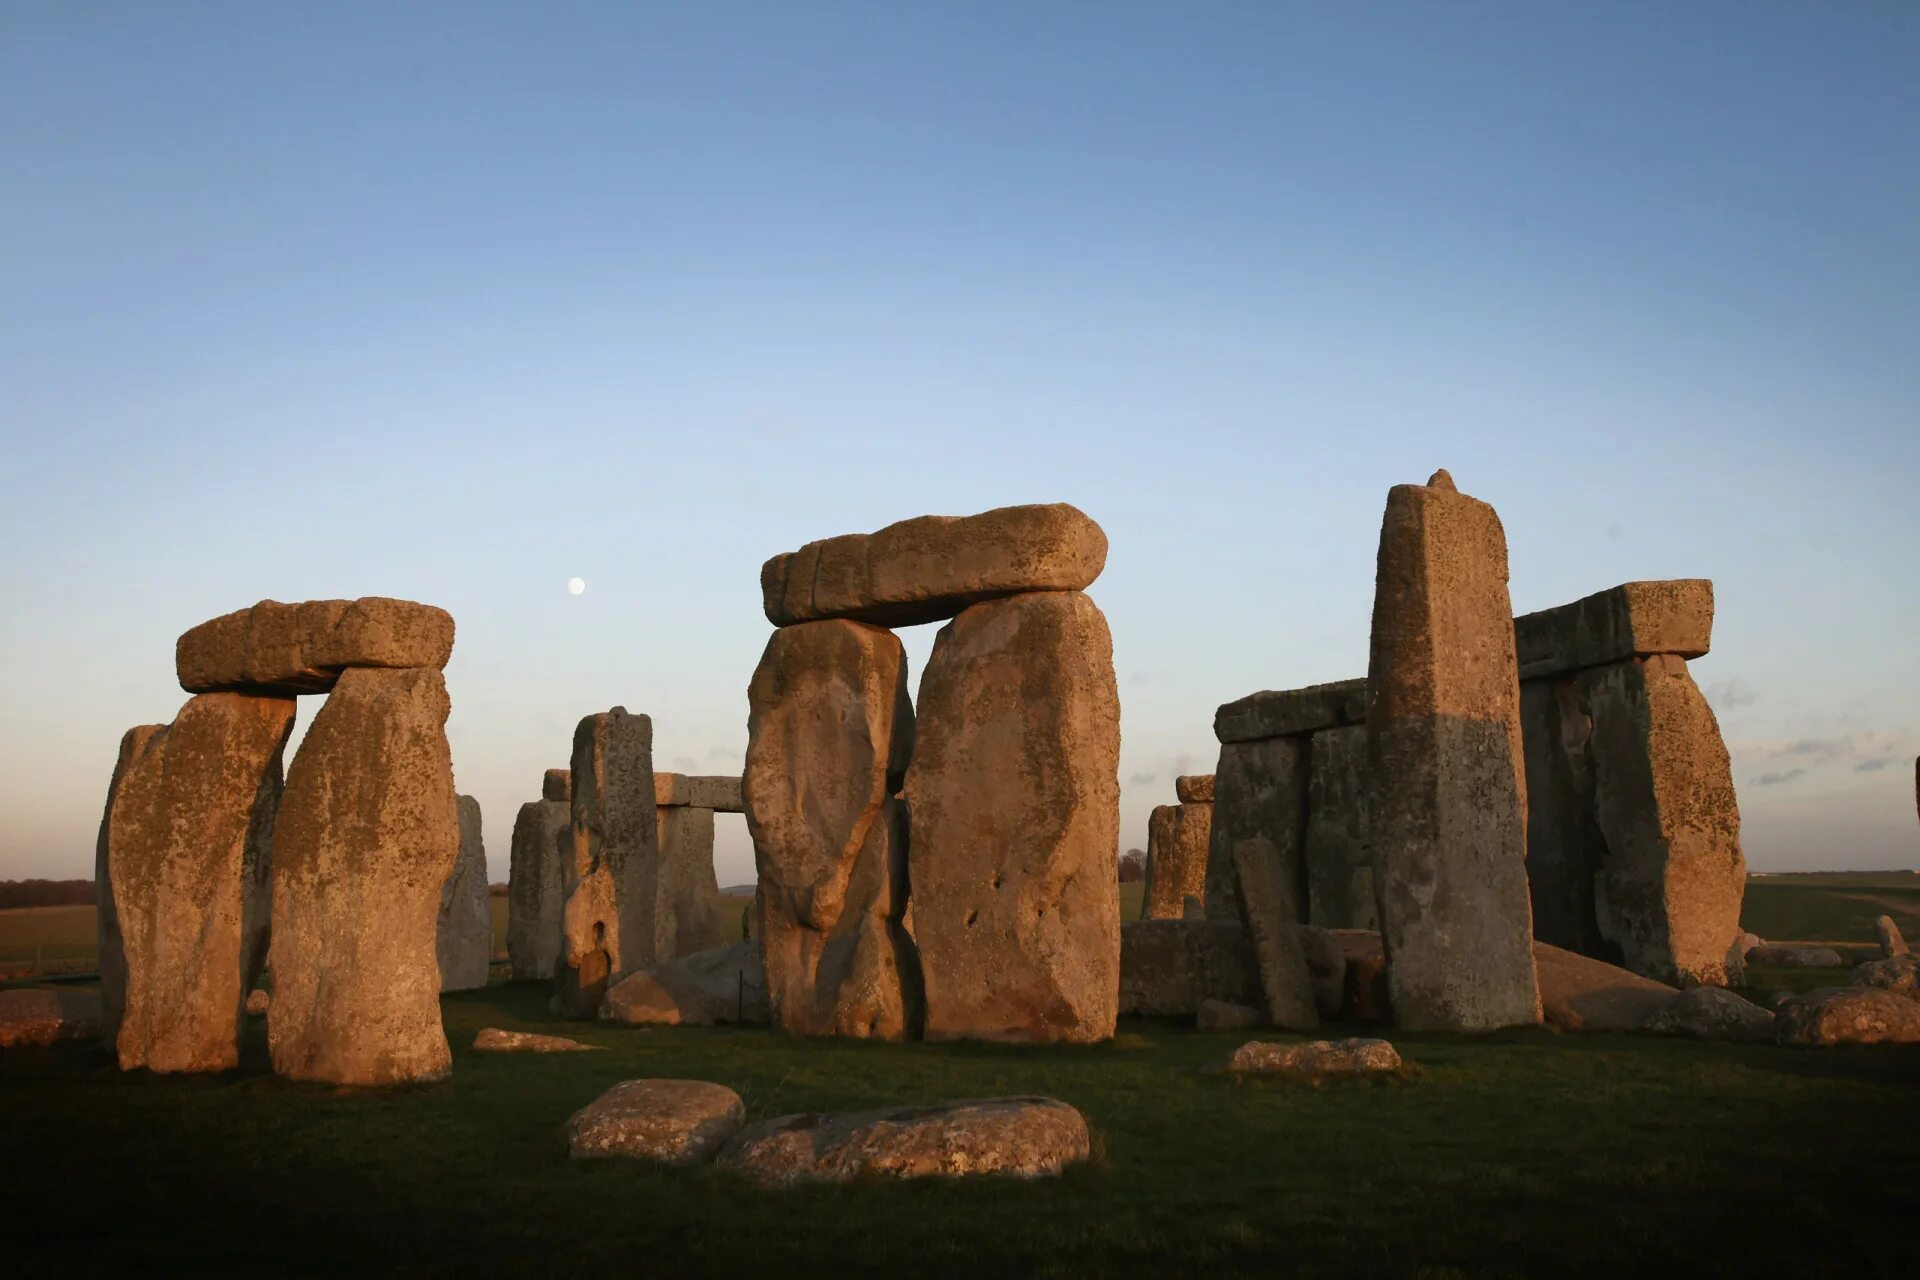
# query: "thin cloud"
[[1143, 779], [1731, 695], [1775, 779], [1871, 766]]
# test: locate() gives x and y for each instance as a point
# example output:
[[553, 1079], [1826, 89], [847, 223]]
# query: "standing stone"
[[1177, 836], [1259, 793], [830, 728], [613, 863], [113, 956], [1566, 851], [536, 881], [1015, 798], [1339, 853], [1891, 943], [687, 917], [189, 843], [1447, 797], [1669, 896], [369, 830], [465, 938], [1275, 931]]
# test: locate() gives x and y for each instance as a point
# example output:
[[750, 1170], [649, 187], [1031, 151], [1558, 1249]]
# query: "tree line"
[[46, 893]]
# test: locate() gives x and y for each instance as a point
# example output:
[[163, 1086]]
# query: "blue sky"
[[453, 302]]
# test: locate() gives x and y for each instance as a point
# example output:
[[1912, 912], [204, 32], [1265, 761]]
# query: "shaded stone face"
[[1019, 1137], [725, 984], [557, 785], [830, 729], [189, 847], [465, 937], [686, 919], [1339, 851], [931, 567], [1579, 993], [1274, 926], [1168, 967], [1281, 713], [369, 831], [536, 886], [1566, 851], [1446, 795], [303, 648], [113, 958], [1014, 795], [1194, 788], [1177, 837], [719, 793], [608, 925], [1259, 793], [1632, 620]]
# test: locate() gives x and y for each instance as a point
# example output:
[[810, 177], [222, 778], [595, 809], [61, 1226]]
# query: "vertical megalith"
[[536, 881], [830, 729], [1014, 796], [465, 934], [1259, 793], [369, 831], [1177, 836], [1446, 789], [1565, 848], [1339, 850], [112, 952], [612, 863], [688, 915], [190, 833]]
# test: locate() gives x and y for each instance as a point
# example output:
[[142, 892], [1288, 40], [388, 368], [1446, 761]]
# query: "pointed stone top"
[[1441, 480]]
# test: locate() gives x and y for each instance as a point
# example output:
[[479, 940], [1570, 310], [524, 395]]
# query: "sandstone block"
[[721, 794], [259, 1003], [829, 729], [1633, 620], [1891, 943], [31, 1017], [189, 847], [1899, 974], [1338, 849], [1795, 957], [1177, 837], [1579, 993], [1018, 1137], [687, 917], [726, 984], [1447, 799], [1314, 1058], [302, 648], [613, 863], [536, 885], [1170, 967], [464, 940], [1848, 1015], [1279, 713], [1260, 793], [1711, 1013], [495, 1040], [932, 567], [1015, 796], [369, 830], [557, 785], [1194, 788], [1219, 1015], [111, 950], [677, 1122], [1274, 925]]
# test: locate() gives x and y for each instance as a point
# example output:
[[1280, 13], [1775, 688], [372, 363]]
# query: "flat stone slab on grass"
[[496, 1040], [1848, 1015], [32, 1016], [1899, 974], [1223, 1015], [723, 984], [673, 1121], [1796, 957], [1712, 1013], [1314, 1058], [1025, 1137], [1579, 993]]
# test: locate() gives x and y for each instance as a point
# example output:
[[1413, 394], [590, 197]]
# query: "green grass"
[[1834, 910], [1516, 1154]]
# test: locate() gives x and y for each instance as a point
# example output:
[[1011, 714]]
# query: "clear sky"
[[453, 302]]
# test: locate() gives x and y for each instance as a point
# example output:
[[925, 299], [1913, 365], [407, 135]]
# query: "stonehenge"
[[612, 861]]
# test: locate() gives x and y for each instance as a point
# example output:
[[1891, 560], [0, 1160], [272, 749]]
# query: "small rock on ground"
[[1711, 1013], [1314, 1057], [672, 1121], [1223, 1015], [1025, 1137], [496, 1040], [1796, 957], [1848, 1015]]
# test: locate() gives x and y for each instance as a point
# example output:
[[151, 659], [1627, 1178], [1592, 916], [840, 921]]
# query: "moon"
[[576, 586]]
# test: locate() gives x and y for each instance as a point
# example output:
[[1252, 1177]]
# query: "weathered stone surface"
[[536, 886], [1633, 620], [678, 1122], [1579, 993], [726, 984], [1711, 1013], [1279, 713], [1848, 1015], [608, 926], [30, 1017], [1566, 851], [829, 729], [1338, 851], [687, 912], [1015, 795], [1020, 1137], [259, 1003], [1219, 1015], [932, 567], [368, 832], [1259, 793], [495, 1040], [1795, 957], [1274, 926], [1364, 995], [464, 940], [557, 785], [189, 848], [1326, 968], [112, 952], [720, 793], [302, 648], [1891, 943], [1899, 974], [1194, 788], [1170, 967], [1447, 799], [1314, 1058], [1177, 838]]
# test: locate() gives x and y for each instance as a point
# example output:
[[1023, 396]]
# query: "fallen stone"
[[495, 1040], [1891, 943], [1899, 974], [1314, 1058], [1796, 957], [1338, 852], [258, 1003], [608, 925], [1848, 1015], [932, 567], [303, 648], [536, 885], [1711, 1013], [557, 785], [829, 730], [464, 938], [369, 830], [1168, 968], [1177, 838], [1448, 818], [1194, 788], [190, 845], [1219, 1015], [1260, 793], [1579, 993], [676, 1122], [726, 984], [31, 1017], [1633, 620], [1280, 713], [1015, 800], [111, 949], [1024, 1137], [719, 793], [1274, 925]]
